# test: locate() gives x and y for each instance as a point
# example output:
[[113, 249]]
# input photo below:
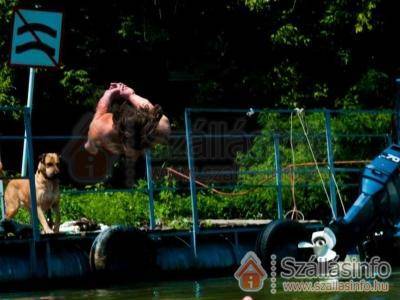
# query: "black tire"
[[120, 250], [281, 238]]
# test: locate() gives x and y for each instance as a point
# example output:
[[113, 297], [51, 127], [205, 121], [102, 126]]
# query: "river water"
[[216, 288]]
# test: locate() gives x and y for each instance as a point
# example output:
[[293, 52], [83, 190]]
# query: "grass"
[[172, 209]]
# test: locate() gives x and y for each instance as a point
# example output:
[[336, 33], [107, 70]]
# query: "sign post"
[[29, 102], [36, 41]]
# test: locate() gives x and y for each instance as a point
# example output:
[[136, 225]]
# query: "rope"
[[299, 112], [175, 172], [338, 191], [287, 168], [294, 212]]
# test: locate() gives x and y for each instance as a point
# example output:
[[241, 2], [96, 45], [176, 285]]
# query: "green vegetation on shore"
[[251, 195]]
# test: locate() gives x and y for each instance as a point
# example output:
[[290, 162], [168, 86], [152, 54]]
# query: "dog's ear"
[[42, 158]]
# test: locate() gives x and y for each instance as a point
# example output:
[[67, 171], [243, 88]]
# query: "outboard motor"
[[372, 222], [378, 205]]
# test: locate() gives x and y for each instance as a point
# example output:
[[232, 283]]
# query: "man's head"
[[137, 128]]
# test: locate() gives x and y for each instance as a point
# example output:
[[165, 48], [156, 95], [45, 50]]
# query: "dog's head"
[[49, 165]]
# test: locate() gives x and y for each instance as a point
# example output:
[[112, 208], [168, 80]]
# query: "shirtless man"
[[134, 127]]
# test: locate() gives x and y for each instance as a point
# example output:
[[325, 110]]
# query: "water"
[[216, 288]]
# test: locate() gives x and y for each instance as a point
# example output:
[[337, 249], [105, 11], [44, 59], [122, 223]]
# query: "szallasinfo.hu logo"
[[314, 275], [334, 276]]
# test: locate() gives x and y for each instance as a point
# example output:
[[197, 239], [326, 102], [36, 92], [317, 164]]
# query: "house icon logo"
[[250, 274]]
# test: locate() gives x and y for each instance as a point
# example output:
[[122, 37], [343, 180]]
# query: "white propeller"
[[322, 242]]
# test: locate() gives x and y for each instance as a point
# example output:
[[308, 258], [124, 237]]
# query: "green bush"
[[253, 195]]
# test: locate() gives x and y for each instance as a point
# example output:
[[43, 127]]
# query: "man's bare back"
[[103, 132]]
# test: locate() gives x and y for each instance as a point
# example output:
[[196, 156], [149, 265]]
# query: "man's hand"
[[105, 102], [124, 90], [112, 92], [128, 94]]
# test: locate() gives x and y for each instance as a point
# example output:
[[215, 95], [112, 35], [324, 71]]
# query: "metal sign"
[[36, 38]]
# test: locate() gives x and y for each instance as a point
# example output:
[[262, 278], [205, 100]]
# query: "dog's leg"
[[43, 221], [57, 221], [11, 211], [12, 202]]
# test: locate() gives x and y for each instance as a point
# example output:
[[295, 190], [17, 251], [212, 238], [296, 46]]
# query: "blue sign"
[[36, 38]]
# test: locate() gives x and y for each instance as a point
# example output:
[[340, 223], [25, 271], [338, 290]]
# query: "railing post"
[[331, 165], [150, 189], [3, 207], [32, 186], [278, 176], [192, 180], [397, 110], [29, 103], [389, 140]]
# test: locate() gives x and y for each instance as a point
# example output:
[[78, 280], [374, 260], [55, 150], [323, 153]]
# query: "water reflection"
[[216, 288]]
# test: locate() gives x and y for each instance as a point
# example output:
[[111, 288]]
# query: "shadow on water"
[[216, 288]]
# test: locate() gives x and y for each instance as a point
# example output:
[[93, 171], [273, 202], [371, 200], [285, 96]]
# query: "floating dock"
[[127, 253]]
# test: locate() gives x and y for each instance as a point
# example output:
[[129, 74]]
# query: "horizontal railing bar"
[[258, 133], [130, 191], [287, 135], [11, 178], [204, 231], [384, 135], [59, 137], [77, 192], [230, 135], [235, 110], [11, 137], [11, 108], [270, 186], [308, 169], [43, 137]]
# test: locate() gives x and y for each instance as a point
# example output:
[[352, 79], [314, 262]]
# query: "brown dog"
[[47, 192]]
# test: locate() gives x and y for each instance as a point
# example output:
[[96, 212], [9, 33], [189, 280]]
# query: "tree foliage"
[[232, 53], [266, 52]]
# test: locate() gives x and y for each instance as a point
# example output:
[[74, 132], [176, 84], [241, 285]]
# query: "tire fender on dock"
[[281, 238], [120, 249]]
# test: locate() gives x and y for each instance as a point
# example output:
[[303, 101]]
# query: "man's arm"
[[102, 108], [105, 101], [129, 94]]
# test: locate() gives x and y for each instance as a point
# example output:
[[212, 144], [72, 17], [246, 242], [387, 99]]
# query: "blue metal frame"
[[278, 176], [397, 110], [31, 174], [191, 164], [288, 111], [32, 186], [278, 168], [150, 188], [29, 104], [192, 181], [331, 165], [3, 207]]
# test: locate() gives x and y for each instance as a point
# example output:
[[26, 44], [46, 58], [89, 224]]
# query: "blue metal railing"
[[192, 181], [189, 136], [276, 141]]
